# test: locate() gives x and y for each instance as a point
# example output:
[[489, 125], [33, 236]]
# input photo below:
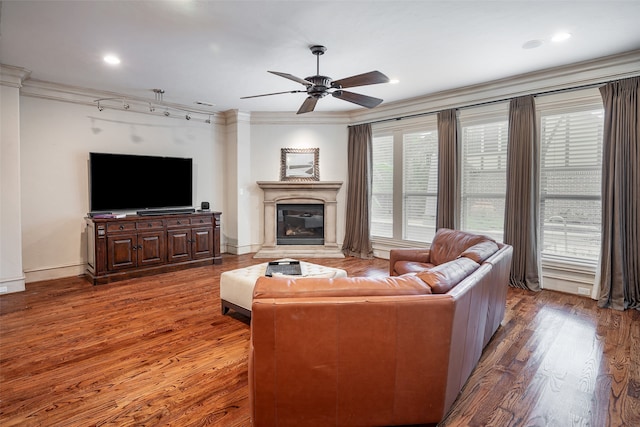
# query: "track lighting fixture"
[[139, 105]]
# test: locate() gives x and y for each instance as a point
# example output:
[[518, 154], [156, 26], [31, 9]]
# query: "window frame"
[[398, 129]]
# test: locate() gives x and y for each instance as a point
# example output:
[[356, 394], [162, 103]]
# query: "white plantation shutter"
[[419, 185], [483, 176], [382, 187], [570, 199]]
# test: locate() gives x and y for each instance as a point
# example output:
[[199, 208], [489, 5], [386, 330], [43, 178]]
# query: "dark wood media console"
[[122, 248]]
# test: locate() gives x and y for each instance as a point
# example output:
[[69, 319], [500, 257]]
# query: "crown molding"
[[11, 76], [592, 72], [290, 118]]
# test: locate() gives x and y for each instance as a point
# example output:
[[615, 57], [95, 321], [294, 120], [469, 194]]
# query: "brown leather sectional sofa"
[[377, 351]]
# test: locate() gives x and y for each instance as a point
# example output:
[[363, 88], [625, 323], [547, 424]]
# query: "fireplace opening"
[[300, 224]]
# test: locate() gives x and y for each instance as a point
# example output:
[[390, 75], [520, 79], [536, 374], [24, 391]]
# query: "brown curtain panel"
[[447, 206], [620, 256], [521, 204], [357, 242]]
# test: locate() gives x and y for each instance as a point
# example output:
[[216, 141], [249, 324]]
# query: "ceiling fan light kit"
[[319, 86]]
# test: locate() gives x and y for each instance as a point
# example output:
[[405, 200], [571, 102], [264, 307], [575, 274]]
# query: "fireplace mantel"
[[300, 192]]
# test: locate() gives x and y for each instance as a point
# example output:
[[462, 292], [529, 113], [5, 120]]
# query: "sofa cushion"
[[480, 251], [288, 287], [404, 267], [442, 278], [448, 244]]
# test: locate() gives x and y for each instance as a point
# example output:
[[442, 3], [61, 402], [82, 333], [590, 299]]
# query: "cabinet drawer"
[[113, 227], [205, 220], [155, 224], [178, 222]]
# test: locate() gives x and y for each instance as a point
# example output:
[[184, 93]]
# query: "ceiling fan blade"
[[370, 78], [308, 105], [356, 98], [292, 77], [274, 93]]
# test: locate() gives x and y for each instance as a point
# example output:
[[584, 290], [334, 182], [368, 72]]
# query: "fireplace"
[[300, 224], [300, 219]]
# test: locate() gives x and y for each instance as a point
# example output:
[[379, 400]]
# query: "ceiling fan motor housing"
[[320, 85]]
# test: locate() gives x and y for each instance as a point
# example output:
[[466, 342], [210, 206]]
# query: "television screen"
[[128, 182]]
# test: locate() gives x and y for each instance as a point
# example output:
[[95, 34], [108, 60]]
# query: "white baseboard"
[[51, 273], [12, 284]]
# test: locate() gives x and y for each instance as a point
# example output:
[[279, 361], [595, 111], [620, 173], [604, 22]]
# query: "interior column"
[[11, 275]]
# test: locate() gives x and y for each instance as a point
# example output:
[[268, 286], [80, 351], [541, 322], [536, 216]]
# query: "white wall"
[[269, 136], [56, 138]]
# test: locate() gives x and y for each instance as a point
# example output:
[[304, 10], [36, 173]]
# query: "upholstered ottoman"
[[236, 286]]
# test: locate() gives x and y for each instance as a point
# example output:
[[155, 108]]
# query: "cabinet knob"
[[122, 227], [139, 246], [179, 223], [202, 220], [150, 225], [134, 248]]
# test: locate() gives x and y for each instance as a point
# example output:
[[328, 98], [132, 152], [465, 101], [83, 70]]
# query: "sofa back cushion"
[[480, 251], [442, 278], [304, 287], [448, 244]]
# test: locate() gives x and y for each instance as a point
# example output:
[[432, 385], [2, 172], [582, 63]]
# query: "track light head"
[[151, 108], [100, 107], [166, 113], [208, 121], [125, 106], [188, 116]]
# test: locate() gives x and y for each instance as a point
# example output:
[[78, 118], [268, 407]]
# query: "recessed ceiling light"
[[560, 37], [111, 59], [394, 81]]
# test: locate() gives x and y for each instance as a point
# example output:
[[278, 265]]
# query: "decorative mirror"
[[299, 164]]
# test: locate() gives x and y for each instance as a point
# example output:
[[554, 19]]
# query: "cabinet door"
[[179, 245], [121, 251], [151, 248], [202, 242]]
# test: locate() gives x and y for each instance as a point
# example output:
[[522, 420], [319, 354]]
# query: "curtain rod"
[[479, 104]]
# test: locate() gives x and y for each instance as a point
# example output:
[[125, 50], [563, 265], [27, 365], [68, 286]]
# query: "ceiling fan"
[[319, 86]]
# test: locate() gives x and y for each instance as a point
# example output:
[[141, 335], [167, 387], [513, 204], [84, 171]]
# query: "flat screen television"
[[134, 182]]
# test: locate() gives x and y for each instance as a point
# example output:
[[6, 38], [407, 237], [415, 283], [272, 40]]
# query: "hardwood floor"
[[157, 351]]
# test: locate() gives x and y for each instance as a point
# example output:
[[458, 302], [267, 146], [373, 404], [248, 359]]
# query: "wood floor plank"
[[156, 351]]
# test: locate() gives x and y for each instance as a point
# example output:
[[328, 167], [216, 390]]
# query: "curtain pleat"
[[620, 256], [522, 196], [357, 240], [447, 206]]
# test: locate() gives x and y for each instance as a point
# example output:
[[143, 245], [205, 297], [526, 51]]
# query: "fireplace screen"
[[300, 224]]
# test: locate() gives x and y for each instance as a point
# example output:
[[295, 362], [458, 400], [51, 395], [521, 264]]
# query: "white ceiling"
[[219, 51]]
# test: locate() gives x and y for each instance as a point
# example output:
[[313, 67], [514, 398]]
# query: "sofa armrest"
[[408, 254]]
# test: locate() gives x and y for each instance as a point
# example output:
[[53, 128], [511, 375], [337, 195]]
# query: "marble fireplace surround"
[[305, 192]]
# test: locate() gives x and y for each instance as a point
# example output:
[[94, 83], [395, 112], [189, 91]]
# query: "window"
[[570, 177], [483, 178], [382, 187], [405, 181], [419, 185]]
